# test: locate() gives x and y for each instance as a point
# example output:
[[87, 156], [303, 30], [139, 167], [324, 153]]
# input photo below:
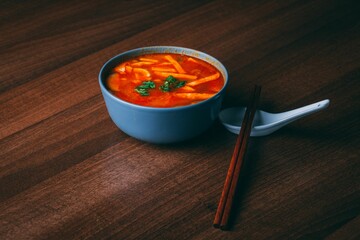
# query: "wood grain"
[[67, 172]]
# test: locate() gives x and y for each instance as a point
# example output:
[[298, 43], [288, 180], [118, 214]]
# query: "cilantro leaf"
[[148, 84], [171, 83], [143, 89]]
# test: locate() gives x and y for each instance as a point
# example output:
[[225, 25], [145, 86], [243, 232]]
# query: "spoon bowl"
[[265, 123]]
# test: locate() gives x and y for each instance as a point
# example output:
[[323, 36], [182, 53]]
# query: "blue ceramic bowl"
[[162, 125]]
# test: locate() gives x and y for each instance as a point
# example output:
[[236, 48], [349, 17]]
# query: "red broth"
[[164, 80]]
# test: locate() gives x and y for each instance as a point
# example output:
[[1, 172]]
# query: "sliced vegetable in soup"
[[164, 80]]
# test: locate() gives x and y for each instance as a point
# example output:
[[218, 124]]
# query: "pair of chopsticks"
[[227, 196]]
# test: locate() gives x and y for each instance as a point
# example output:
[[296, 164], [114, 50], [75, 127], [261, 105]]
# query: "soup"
[[164, 80]]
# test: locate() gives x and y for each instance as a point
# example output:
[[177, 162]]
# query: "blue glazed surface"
[[161, 125]]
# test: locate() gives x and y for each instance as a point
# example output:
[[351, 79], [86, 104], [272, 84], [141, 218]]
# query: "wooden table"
[[67, 172]]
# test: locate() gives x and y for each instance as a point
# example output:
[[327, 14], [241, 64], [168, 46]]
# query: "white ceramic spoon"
[[265, 123]]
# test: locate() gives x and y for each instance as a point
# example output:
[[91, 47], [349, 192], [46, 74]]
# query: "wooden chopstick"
[[232, 177]]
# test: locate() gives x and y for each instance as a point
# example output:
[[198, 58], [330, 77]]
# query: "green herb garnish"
[[143, 89], [171, 83]]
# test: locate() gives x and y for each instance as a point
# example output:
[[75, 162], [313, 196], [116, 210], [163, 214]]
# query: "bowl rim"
[[148, 50]]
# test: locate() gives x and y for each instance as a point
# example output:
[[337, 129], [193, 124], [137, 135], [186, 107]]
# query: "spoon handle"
[[295, 114]]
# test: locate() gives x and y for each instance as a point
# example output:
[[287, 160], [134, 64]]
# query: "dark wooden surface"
[[66, 171]]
